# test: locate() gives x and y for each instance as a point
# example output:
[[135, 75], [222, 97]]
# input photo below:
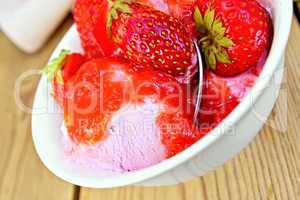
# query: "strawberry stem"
[[110, 3], [114, 8], [53, 69], [214, 43], [205, 38]]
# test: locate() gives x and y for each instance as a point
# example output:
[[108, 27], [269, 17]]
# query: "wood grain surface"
[[269, 168]]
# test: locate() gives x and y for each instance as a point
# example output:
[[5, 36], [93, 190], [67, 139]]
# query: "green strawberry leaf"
[[214, 43], [59, 77], [53, 69], [213, 48], [210, 58], [123, 8], [206, 56], [223, 57], [212, 61], [225, 42], [109, 23], [209, 17], [217, 28], [114, 14], [199, 21]]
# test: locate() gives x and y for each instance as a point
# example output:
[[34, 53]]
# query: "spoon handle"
[[200, 85]]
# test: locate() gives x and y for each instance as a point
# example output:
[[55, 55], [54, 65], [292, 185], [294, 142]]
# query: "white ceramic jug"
[[29, 23]]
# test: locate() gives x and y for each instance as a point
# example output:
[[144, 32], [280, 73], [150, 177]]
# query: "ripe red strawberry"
[[218, 100], [71, 64], [151, 38], [178, 132], [183, 10], [161, 5], [175, 122], [90, 19], [235, 34], [123, 84], [98, 89], [180, 9], [61, 69]]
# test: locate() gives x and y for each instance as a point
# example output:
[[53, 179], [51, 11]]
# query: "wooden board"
[[268, 169], [22, 175]]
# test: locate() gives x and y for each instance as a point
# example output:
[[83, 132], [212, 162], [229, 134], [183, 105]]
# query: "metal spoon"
[[199, 95]]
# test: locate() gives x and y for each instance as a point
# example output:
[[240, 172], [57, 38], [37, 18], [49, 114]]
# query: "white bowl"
[[230, 137]]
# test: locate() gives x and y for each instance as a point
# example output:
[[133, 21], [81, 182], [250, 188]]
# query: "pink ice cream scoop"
[[133, 141]]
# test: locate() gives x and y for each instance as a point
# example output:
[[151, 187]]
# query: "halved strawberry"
[[98, 89], [103, 86], [178, 132], [218, 100], [71, 65], [61, 69], [90, 17], [175, 120]]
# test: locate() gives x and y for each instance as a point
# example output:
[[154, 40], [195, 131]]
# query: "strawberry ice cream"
[[133, 141]]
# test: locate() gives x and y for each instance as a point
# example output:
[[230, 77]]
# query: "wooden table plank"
[[267, 169], [22, 175]]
